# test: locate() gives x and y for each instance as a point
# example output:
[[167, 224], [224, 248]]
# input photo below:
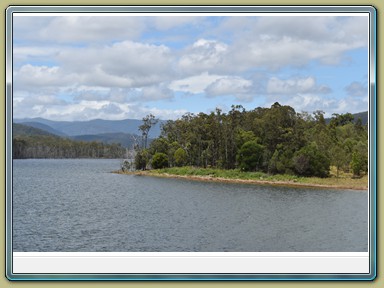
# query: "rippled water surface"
[[78, 205]]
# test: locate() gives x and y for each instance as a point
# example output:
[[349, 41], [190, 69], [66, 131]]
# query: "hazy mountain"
[[44, 127], [126, 140], [93, 127], [363, 116], [24, 130]]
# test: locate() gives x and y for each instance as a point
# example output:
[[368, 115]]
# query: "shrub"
[[356, 164], [250, 156], [309, 161], [159, 161], [180, 157], [141, 159]]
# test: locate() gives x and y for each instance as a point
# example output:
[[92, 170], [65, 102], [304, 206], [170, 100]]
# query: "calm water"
[[78, 205]]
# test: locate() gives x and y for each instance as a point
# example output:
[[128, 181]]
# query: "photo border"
[[204, 9]]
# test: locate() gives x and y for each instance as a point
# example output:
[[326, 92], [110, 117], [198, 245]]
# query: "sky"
[[72, 67]]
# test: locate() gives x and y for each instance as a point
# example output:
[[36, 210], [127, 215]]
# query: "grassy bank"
[[344, 181]]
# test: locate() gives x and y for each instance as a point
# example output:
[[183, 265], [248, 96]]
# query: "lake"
[[78, 205]]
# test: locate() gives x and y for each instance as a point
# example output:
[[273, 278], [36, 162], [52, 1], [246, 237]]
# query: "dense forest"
[[29, 142], [274, 140]]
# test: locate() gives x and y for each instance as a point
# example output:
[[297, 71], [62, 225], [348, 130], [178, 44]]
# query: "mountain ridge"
[[93, 127], [26, 130]]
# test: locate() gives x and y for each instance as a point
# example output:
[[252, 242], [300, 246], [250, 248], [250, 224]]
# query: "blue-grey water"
[[78, 205]]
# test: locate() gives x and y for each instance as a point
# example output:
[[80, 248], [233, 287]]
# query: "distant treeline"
[[46, 146], [275, 140]]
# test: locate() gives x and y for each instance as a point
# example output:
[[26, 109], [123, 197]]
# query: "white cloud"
[[194, 84], [79, 29], [154, 93], [306, 102], [89, 105], [23, 54], [86, 110], [164, 114], [203, 55], [312, 102], [83, 110], [29, 76], [122, 65], [113, 66], [274, 42], [229, 86], [133, 58], [294, 86], [357, 89], [274, 54], [350, 104], [216, 85]]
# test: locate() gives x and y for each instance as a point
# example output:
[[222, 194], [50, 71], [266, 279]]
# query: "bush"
[[309, 161], [159, 161], [356, 164], [281, 162], [250, 156], [141, 160], [180, 157], [126, 165]]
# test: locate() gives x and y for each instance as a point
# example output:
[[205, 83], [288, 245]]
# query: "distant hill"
[[25, 130], [44, 127], [362, 115], [93, 127], [125, 139], [31, 142]]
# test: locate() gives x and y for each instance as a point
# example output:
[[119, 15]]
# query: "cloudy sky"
[[116, 67]]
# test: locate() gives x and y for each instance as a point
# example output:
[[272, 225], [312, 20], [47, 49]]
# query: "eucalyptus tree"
[[148, 122]]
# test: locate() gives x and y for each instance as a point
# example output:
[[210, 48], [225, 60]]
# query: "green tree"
[[160, 145], [180, 157], [148, 122], [141, 159], [281, 161], [356, 163], [18, 148], [338, 157], [159, 161], [309, 161], [341, 119], [250, 156], [244, 136], [362, 152]]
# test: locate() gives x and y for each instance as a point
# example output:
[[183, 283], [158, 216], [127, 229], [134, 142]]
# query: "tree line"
[[45, 146], [274, 140]]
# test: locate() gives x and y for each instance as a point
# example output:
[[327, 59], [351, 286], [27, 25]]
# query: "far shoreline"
[[288, 183]]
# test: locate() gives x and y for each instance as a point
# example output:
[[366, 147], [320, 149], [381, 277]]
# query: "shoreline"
[[288, 183]]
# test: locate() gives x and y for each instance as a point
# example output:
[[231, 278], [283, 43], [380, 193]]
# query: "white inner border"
[[190, 262]]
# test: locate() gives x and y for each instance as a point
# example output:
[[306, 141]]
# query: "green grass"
[[343, 181]]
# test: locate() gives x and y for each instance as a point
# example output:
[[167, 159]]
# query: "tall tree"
[[148, 122]]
